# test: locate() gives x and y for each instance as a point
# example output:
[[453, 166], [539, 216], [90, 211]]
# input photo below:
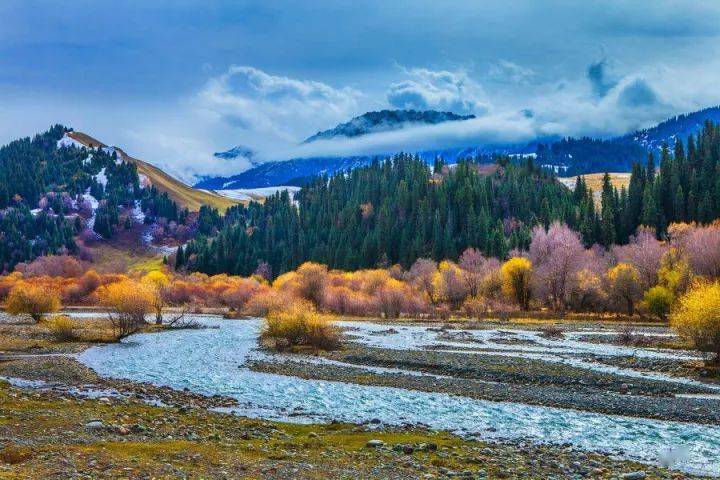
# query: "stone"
[[374, 443], [312, 435], [94, 425], [639, 475]]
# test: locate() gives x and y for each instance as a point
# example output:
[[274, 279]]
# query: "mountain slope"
[[186, 196]]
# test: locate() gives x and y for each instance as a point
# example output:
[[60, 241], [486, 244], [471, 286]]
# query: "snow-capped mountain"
[[297, 171], [386, 120], [571, 156]]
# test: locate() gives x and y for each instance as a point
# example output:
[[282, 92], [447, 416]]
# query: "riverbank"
[[97, 427]]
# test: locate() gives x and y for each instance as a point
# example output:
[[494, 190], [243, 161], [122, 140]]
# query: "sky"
[[174, 81]]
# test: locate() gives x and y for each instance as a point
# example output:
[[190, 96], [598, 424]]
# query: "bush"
[[697, 318], [475, 307], [63, 329], [658, 301], [263, 303], [299, 324], [33, 300], [128, 302]]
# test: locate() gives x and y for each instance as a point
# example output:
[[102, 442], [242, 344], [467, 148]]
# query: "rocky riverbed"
[[89, 426]]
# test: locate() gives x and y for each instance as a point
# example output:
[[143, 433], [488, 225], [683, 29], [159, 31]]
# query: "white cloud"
[[506, 71], [280, 107], [438, 90]]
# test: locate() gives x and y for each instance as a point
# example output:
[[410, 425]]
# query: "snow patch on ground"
[[68, 141], [111, 150], [94, 204], [256, 193], [101, 178], [137, 212], [144, 180]]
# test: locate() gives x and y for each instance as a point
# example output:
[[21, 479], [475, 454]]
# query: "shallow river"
[[212, 361]]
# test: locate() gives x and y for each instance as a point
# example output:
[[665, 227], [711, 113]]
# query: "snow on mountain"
[[386, 120], [625, 149], [101, 178], [68, 141]]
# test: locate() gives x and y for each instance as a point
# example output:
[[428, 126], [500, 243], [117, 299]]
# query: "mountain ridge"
[[569, 156]]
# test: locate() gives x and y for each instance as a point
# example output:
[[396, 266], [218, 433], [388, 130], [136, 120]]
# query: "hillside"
[[186, 196]]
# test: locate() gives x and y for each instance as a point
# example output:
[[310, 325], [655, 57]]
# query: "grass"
[[50, 441], [183, 194]]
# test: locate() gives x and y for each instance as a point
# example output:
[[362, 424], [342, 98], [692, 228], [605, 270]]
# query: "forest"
[[50, 196], [399, 210]]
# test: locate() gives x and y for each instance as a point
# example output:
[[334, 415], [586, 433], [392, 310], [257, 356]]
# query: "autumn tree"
[[516, 280], [658, 301], [128, 302], [449, 283], [623, 284], [26, 298], [697, 318], [556, 254]]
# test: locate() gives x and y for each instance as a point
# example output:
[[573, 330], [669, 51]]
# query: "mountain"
[[296, 171], [577, 156], [185, 195], [386, 120], [668, 131], [569, 156]]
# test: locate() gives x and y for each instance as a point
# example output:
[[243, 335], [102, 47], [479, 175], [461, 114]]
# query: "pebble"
[[374, 443]]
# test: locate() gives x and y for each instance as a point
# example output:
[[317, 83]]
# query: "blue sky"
[[174, 81]]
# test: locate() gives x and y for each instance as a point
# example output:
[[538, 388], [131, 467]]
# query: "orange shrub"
[[33, 300], [298, 324]]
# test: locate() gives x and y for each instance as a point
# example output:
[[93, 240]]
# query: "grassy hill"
[[595, 180], [183, 194]]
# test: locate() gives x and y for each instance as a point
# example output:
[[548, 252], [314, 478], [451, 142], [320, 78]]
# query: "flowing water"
[[213, 361]]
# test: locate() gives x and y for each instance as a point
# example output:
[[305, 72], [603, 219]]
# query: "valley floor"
[[60, 419]]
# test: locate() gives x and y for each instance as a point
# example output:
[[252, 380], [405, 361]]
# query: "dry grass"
[[184, 195], [62, 328], [595, 181]]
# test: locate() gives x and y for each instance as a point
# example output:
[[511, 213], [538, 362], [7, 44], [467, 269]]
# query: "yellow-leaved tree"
[[697, 318], [33, 300], [516, 277], [128, 302]]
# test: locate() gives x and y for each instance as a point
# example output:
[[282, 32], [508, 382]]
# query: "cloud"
[[598, 75], [505, 71], [637, 93], [487, 130], [437, 90], [280, 107]]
